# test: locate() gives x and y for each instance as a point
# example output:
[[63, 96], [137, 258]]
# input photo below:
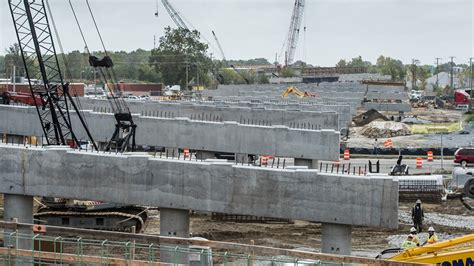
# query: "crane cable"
[[86, 47], [68, 74], [112, 74]]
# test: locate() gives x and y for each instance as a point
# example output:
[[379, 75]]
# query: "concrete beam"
[[388, 107], [195, 135], [403, 96], [318, 119], [202, 186]]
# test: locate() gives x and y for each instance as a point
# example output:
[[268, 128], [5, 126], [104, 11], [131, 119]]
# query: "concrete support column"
[[311, 164], [173, 223], [336, 239], [204, 155], [21, 208], [241, 158]]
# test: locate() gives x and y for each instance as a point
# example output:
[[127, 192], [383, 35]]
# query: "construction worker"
[[413, 233], [432, 237], [408, 243], [417, 215]]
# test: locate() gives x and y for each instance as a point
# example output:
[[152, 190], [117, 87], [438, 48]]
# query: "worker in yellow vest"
[[432, 237], [408, 243], [416, 239]]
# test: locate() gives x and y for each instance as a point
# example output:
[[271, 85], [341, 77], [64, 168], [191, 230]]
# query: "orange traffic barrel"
[[430, 156], [388, 143], [264, 159], [347, 155], [419, 162], [186, 153]]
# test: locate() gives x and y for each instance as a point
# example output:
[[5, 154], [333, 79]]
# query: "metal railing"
[[53, 245]]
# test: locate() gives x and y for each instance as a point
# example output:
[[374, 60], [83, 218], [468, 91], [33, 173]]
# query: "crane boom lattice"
[[293, 32], [174, 15], [43, 71]]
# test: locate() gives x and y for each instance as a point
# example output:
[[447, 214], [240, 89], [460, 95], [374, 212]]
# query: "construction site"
[[181, 156]]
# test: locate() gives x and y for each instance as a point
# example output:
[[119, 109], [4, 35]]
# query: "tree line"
[[181, 58]]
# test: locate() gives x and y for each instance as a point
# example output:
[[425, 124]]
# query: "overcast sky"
[[335, 29]]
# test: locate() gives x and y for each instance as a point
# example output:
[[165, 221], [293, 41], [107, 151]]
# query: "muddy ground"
[[449, 218]]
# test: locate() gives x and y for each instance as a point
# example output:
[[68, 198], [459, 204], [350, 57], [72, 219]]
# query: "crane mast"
[[174, 15], [41, 63], [293, 32]]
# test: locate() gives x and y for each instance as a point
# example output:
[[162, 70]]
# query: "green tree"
[[146, 72], [13, 57], [358, 62], [2, 66], [287, 72], [178, 49], [390, 66], [341, 63]]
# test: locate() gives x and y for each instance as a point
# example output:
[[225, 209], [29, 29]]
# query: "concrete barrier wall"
[[202, 186], [196, 135]]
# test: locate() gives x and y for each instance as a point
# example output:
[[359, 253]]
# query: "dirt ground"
[[418, 140], [366, 241]]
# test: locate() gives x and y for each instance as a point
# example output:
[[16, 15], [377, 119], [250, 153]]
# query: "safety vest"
[[407, 244], [432, 239]]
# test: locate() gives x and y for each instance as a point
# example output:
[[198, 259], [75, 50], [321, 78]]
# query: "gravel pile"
[[450, 220], [385, 129]]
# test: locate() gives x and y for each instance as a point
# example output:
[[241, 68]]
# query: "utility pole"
[[470, 81], [452, 71], [470, 75], [186, 72], [437, 72], [414, 61], [14, 78]]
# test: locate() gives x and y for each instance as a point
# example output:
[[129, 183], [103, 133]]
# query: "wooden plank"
[[73, 258]]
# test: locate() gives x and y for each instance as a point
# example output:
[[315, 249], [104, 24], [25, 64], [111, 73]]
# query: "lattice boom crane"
[[294, 31]]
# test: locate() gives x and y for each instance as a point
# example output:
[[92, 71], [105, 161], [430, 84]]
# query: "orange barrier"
[[186, 153], [419, 162], [388, 143], [430, 156], [347, 155]]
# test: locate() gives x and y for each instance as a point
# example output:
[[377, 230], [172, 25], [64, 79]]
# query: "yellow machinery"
[[455, 252], [294, 90]]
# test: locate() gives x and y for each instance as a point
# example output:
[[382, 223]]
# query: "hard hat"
[[418, 201], [431, 229], [413, 230]]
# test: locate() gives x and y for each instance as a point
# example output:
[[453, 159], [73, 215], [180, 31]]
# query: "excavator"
[[294, 90], [454, 252], [54, 102]]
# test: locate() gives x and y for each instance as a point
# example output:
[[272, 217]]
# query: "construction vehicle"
[[399, 168], [461, 97], [294, 90], [20, 97], [456, 251], [53, 102]]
